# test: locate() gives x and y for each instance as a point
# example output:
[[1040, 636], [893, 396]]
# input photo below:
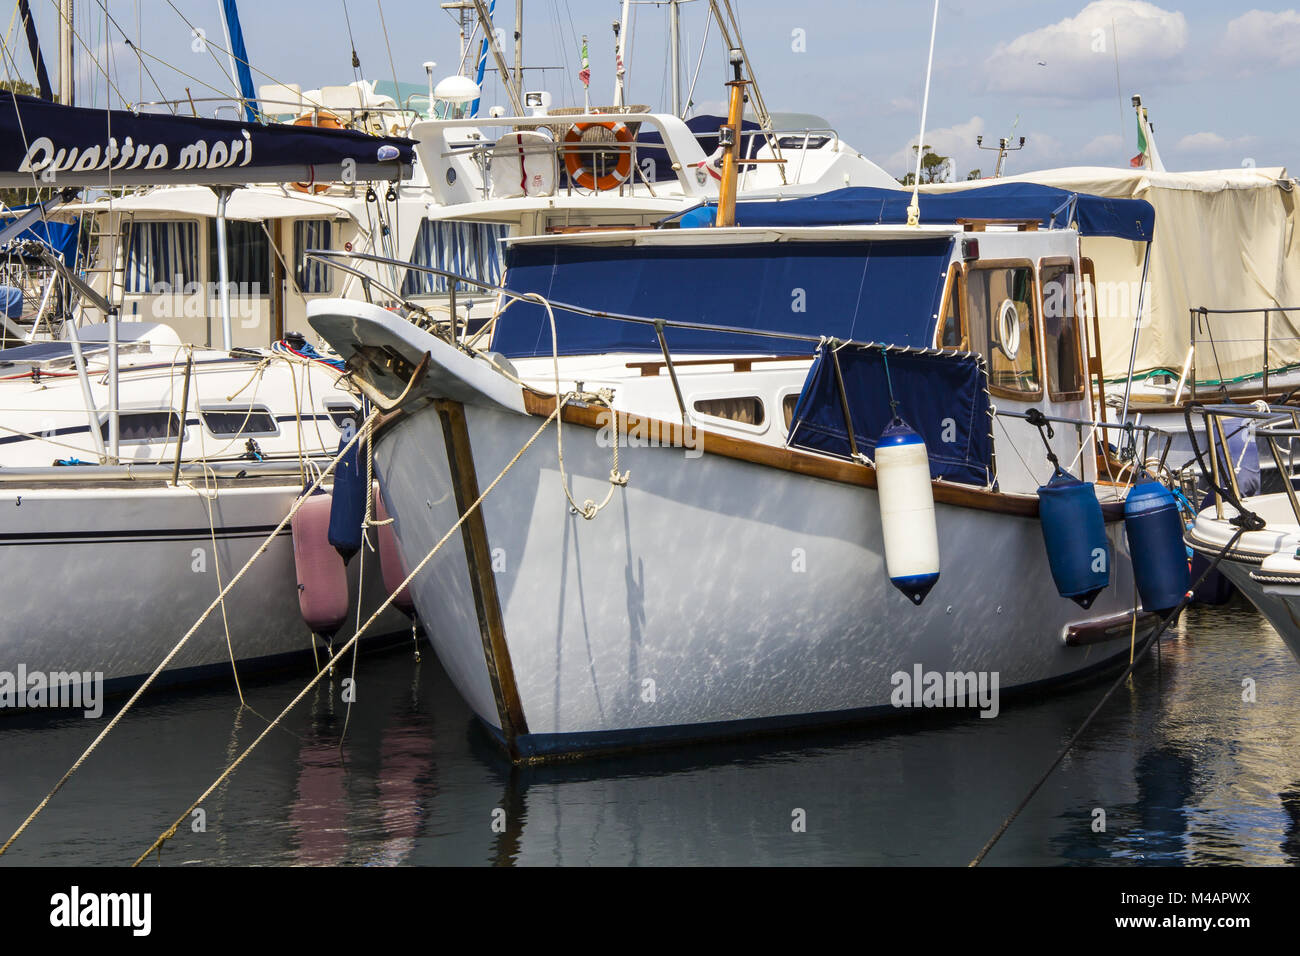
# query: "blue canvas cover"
[[59, 236], [1053, 208], [11, 302], [876, 290], [943, 395]]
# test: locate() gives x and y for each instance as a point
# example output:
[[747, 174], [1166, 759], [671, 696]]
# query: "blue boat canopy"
[[1052, 208], [879, 290], [60, 236], [943, 395], [48, 144]]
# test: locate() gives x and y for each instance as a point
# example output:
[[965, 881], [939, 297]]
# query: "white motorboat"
[[736, 579]]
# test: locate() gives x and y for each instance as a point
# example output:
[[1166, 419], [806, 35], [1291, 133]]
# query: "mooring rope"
[[1155, 640], [171, 831], [218, 600]]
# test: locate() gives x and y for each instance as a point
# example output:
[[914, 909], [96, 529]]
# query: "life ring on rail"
[[321, 119], [585, 178]]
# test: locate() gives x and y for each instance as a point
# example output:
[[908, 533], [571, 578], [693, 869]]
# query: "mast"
[[620, 52], [519, 49], [503, 70], [66, 92], [674, 27], [729, 139]]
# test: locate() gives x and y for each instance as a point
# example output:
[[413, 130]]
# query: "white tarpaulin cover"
[[1224, 239], [249, 205]]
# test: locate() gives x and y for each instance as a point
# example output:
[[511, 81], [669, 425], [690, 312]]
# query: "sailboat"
[[140, 472]]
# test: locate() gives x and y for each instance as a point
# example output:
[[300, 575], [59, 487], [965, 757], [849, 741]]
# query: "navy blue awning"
[[872, 290], [942, 395], [1053, 208], [59, 236], [74, 146]]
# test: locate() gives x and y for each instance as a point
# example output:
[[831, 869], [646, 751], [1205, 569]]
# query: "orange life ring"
[[322, 119], [586, 178]]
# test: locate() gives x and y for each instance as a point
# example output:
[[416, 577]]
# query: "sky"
[[1220, 79]]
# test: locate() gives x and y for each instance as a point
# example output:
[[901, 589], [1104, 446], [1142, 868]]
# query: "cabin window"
[[1061, 330], [788, 406], [747, 410], [1000, 314], [144, 426], [248, 257], [313, 276], [247, 422], [952, 321], [162, 254], [470, 249], [345, 416]]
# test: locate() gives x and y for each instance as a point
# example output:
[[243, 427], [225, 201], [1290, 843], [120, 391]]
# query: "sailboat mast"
[[519, 49], [620, 52], [66, 92], [674, 27]]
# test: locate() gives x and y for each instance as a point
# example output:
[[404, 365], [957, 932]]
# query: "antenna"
[[914, 208], [1004, 146]]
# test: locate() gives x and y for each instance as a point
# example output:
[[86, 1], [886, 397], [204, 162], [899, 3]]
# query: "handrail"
[[1202, 313]]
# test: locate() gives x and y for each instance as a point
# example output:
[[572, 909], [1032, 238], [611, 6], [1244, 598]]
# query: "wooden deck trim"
[[798, 462]]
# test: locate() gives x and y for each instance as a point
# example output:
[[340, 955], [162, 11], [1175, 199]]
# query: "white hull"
[[690, 579], [107, 578]]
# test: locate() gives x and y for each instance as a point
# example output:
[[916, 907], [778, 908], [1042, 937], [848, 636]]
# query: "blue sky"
[[1220, 79]]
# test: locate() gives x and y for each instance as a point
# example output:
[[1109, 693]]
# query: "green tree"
[[934, 168]]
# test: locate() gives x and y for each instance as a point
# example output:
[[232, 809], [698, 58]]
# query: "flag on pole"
[[1140, 160], [585, 73]]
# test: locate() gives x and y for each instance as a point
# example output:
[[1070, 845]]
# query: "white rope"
[[588, 509], [171, 831], [261, 549]]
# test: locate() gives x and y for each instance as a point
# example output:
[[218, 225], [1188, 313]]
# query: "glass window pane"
[[162, 254], [1061, 331], [313, 276], [1001, 321]]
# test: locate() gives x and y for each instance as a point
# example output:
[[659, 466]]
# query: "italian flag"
[[1140, 160]]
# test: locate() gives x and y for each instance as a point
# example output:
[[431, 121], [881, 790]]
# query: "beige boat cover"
[[1224, 239]]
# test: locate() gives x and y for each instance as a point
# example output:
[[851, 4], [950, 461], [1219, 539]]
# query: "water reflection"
[[1184, 770]]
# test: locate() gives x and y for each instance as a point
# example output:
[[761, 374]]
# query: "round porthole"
[[1008, 329], [451, 175]]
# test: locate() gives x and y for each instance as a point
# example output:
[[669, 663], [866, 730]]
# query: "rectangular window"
[[952, 322], [1000, 314], [144, 426], [1061, 330], [248, 257], [470, 249], [345, 416], [747, 410], [165, 253], [229, 422], [313, 276]]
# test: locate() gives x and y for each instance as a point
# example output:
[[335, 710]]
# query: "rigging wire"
[[356, 60]]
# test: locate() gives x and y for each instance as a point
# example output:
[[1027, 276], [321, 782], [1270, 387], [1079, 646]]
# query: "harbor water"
[[1195, 760]]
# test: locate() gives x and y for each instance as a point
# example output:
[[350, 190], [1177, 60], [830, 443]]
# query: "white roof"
[[252, 205]]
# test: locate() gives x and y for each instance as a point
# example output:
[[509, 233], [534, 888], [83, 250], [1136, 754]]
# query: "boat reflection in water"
[[1186, 772]]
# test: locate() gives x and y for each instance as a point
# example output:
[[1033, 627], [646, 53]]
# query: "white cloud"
[[1261, 40], [1109, 147], [1075, 58], [1210, 142], [957, 142]]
